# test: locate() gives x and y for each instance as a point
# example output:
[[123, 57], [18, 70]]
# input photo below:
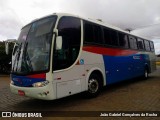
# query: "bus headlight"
[[40, 84]]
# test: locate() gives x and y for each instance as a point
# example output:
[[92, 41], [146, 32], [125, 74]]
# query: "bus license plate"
[[21, 93]]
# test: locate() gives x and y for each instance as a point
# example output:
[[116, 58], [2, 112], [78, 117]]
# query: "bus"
[[62, 54]]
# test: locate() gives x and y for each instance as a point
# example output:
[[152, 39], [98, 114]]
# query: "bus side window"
[[92, 33], [123, 40], [88, 32], [152, 46], [98, 34], [147, 47], [132, 42], [107, 36], [114, 38], [140, 44]]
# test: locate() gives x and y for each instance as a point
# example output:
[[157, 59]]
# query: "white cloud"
[[122, 13], [9, 22], [2, 38]]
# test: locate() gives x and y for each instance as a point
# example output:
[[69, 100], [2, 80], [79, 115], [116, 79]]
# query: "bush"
[[5, 60]]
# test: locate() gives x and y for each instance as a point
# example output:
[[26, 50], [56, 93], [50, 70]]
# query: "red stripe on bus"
[[42, 76], [78, 63], [109, 51]]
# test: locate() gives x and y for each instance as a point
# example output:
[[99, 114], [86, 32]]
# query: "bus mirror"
[[56, 31], [7, 48], [59, 43]]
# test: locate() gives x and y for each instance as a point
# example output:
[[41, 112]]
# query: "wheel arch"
[[97, 71], [146, 67]]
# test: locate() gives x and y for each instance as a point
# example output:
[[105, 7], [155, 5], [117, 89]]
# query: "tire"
[[146, 74], [94, 86]]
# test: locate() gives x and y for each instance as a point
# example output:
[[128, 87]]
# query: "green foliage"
[[4, 58]]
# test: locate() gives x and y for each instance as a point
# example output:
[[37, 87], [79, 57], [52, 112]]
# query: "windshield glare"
[[34, 43]]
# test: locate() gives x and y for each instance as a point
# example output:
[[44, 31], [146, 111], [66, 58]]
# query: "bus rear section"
[[124, 55], [123, 64]]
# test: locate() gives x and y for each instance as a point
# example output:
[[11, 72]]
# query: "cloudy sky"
[[142, 16]]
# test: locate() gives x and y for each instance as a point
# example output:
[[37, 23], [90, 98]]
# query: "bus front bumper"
[[44, 93]]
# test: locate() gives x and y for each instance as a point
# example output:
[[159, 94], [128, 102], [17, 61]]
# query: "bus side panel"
[[92, 61], [119, 64], [123, 67]]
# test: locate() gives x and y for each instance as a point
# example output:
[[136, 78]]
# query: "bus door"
[[68, 73]]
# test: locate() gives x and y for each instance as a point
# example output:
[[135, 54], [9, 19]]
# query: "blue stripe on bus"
[[25, 81], [120, 68]]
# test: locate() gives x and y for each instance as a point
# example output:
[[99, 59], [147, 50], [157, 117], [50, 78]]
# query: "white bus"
[[62, 54]]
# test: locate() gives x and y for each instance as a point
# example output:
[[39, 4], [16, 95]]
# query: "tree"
[[5, 60]]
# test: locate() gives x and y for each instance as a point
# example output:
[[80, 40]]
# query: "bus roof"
[[98, 21]]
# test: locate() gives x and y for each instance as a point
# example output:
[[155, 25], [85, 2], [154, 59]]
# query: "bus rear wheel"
[[93, 86], [146, 74]]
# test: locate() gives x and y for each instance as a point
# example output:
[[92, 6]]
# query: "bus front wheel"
[[93, 86]]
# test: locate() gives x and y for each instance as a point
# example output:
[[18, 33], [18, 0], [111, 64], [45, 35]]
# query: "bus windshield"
[[32, 51]]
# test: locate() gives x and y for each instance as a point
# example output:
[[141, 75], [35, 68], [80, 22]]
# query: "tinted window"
[[140, 44], [114, 38], [97, 34], [147, 47], [110, 37], [152, 46], [88, 32], [92, 33], [107, 36], [123, 40], [132, 42], [70, 30]]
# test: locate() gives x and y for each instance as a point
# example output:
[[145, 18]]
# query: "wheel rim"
[[93, 86]]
